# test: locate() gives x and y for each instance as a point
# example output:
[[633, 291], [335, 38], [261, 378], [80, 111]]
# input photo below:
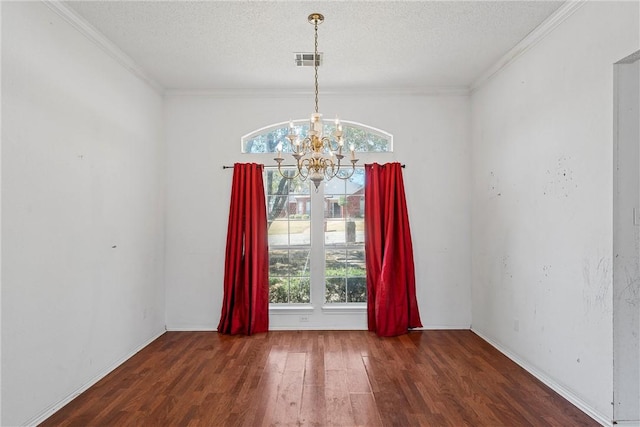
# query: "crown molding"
[[530, 40], [294, 93], [96, 37]]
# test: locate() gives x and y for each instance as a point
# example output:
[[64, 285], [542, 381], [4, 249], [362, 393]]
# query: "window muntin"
[[364, 138]]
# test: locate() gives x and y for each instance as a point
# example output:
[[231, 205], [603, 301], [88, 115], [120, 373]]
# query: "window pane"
[[345, 274], [365, 141], [335, 263], [299, 221], [289, 209], [334, 232], [278, 263], [276, 184], [278, 290], [299, 262], [279, 233], [357, 228], [344, 210], [300, 290], [289, 276], [357, 289], [335, 290], [356, 263], [266, 141]]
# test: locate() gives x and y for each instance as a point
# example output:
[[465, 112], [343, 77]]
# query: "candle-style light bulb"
[[353, 151]]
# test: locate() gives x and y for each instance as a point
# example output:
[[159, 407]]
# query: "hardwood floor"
[[318, 378]]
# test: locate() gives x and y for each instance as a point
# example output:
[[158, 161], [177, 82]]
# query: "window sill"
[[291, 309], [326, 309], [344, 309]]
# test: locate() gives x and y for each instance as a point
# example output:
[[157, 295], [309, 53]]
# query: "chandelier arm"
[[282, 174], [353, 169], [303, 163], [330, 168], [333, 145]]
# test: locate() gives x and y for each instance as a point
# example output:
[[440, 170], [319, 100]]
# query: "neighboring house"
[[344, 199]]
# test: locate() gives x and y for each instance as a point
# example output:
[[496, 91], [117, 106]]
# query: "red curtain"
[[392, 308], [245, 308]]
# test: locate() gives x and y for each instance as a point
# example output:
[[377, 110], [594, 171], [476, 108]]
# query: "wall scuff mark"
[[597, 283]]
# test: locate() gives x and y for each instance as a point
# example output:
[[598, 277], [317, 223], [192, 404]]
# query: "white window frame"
[[318, 314]]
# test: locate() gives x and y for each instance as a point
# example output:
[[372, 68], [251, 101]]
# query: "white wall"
[[430, 136], [82, 220], [542, 203], [626, 242]]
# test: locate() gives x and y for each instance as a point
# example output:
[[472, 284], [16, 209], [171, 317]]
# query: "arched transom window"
[[364, 138]]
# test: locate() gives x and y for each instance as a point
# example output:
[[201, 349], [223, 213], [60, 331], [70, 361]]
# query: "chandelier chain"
[[315, 61], [318, 157]]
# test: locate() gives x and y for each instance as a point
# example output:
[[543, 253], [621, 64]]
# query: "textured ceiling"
[[243, 45]]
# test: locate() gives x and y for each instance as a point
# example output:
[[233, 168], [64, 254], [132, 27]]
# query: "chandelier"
[[318, 157]]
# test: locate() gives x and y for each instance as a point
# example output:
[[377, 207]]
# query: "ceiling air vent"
[[304, 59]]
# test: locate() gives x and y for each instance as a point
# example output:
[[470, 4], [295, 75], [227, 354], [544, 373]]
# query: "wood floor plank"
[[364, 410], [334, 361], [319, 378], [314, 369], [338, 403], [289, 398], [313, 411]]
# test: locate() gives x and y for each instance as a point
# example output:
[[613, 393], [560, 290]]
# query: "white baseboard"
[[444, 327], [314, 328], [191, 328], [203, 328], [550, 382], [58, 405]]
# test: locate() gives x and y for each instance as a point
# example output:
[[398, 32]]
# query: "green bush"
[[296, 291]]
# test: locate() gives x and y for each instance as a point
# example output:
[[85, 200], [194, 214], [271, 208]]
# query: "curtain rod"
[[293, 166]]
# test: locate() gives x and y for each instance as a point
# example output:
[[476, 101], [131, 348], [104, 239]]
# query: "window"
[[364, 138], [293, 228], [317, 271]]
